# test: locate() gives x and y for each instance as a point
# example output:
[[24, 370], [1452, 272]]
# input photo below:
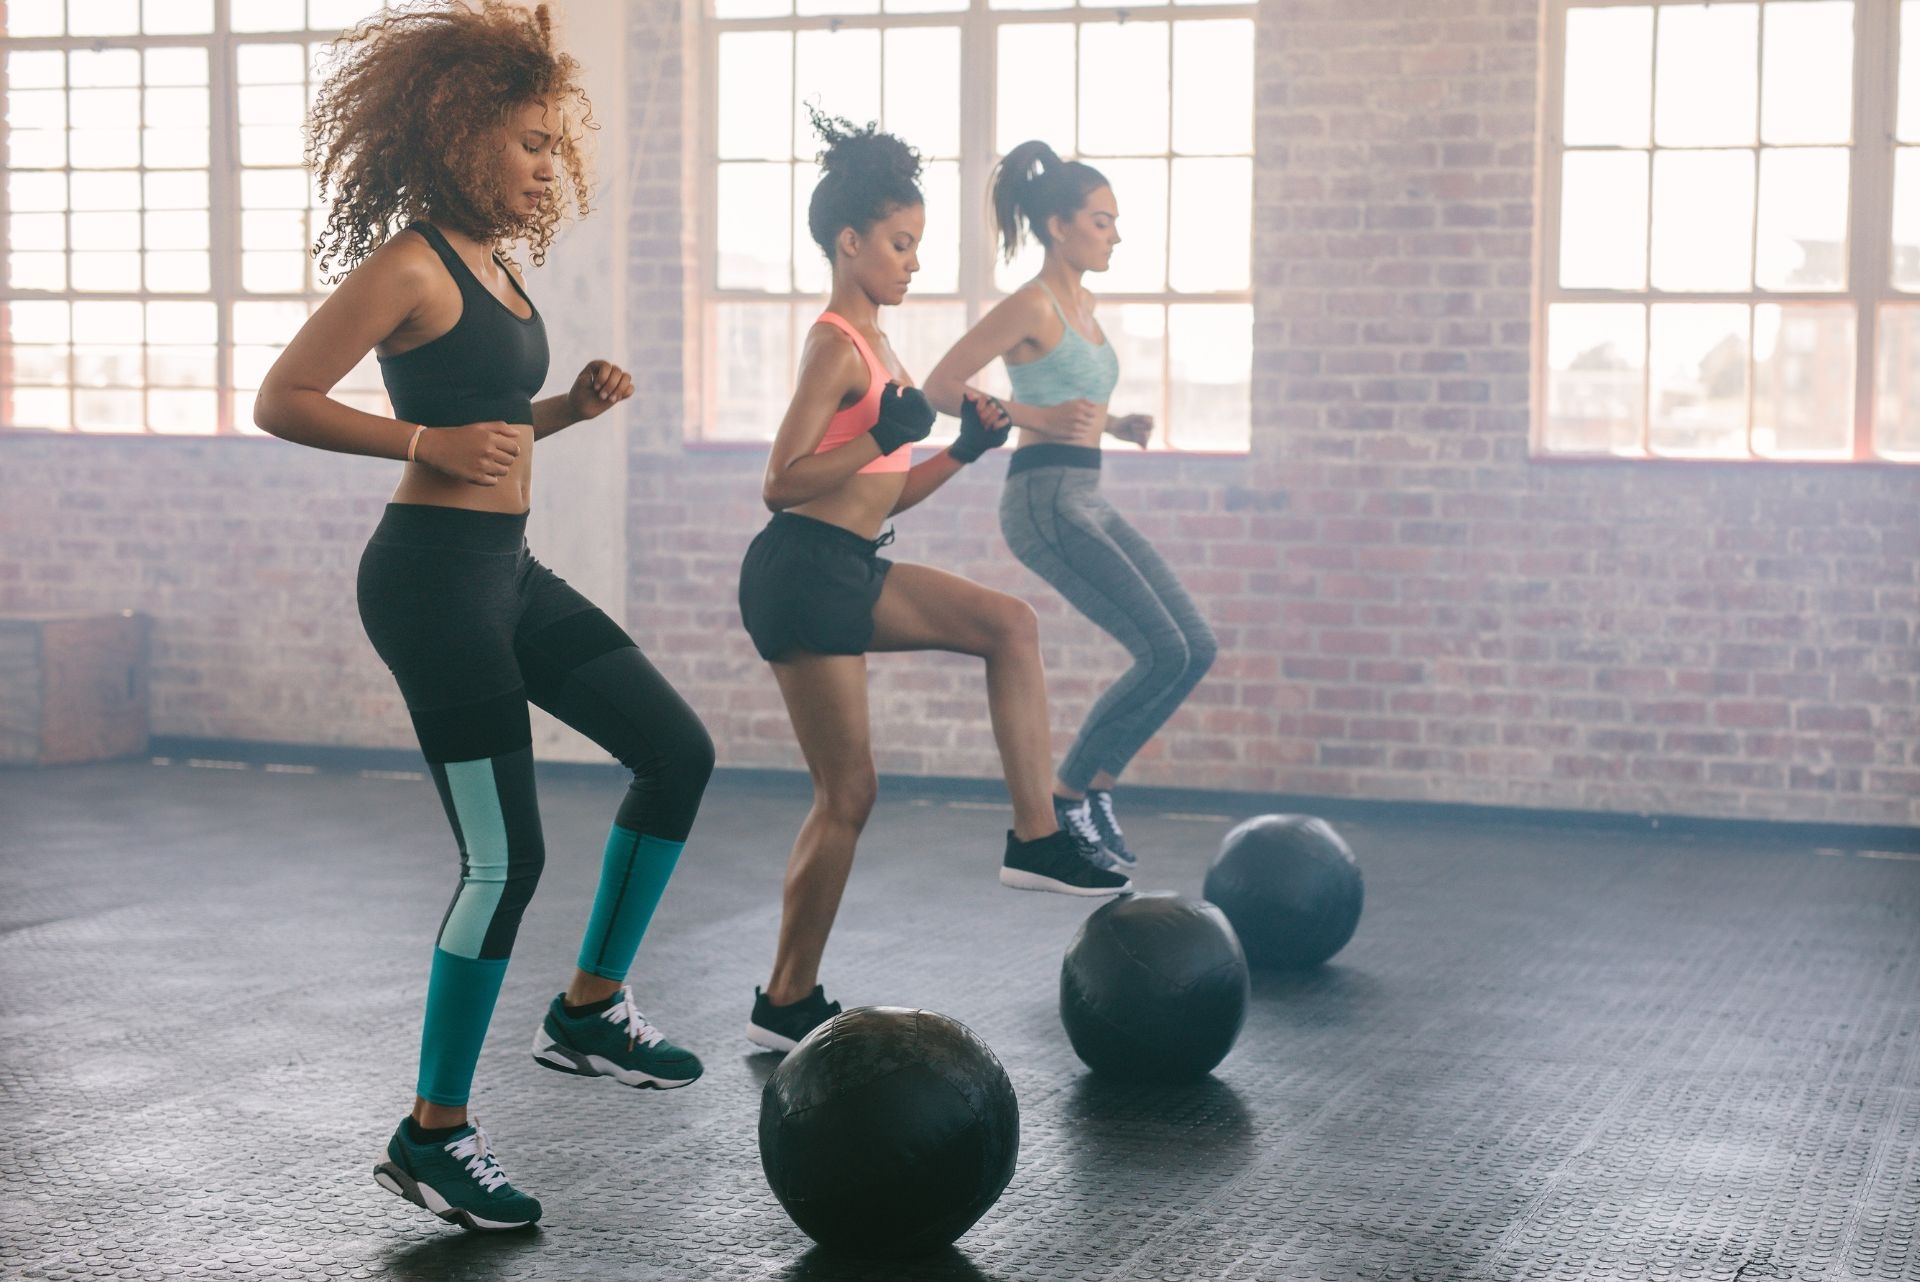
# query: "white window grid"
[[136, 360], [1880, 377], [982, 279]]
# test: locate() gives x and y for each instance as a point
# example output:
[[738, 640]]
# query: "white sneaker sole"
[[398, 1182], [549, 1054], [767, 1039], [1019, 880]]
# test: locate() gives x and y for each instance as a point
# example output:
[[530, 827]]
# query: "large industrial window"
[[1159, 97], [1730, 249], [157, 214]]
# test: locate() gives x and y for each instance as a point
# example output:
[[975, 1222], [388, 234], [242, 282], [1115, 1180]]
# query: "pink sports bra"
[[858, 419]]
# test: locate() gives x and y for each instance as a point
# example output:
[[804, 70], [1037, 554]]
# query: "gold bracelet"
[[414, 441]]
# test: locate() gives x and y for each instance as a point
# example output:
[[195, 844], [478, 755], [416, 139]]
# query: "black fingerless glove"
[[905, 416], [976, 438]]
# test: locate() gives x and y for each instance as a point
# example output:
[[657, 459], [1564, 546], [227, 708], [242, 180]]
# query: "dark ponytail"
[[1032, 184], [864, 176]]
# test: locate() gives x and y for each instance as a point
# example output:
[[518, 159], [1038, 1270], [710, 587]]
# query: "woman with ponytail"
[[816, 596], [445, 134], [1052, 513]]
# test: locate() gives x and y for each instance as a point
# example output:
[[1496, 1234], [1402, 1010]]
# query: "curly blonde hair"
[[407, 126]]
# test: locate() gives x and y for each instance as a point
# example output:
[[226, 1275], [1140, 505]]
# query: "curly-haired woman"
[[445, 133], [816, 596]]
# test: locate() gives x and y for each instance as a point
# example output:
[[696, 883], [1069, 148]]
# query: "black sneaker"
[[781, 1028], [1060, 862], [1100, 810], [1077, 818]]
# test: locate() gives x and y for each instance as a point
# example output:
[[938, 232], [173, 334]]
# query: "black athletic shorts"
[[807, 585]]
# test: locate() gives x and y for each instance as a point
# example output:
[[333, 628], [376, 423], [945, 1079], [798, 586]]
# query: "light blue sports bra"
[[1074, 369]]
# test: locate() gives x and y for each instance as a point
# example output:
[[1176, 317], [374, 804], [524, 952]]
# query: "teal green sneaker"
[[457, 1180], [617, 1043]]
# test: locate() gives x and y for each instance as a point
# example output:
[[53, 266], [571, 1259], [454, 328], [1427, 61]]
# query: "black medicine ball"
[[1290, 887]]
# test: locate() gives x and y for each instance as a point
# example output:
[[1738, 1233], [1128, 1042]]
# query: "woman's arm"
[[1015, 319], [596, 389], [831, 371], [375, 300]]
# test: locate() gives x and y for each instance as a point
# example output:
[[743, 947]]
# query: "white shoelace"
[[477, 1153], [1079, 819], [627, 1015], [1105, 801]]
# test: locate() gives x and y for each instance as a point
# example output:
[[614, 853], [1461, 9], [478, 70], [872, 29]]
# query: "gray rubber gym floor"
[[1546, 1054]]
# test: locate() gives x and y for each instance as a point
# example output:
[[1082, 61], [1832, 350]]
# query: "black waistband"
[[812, 527], [1051, 454], [459, 528]]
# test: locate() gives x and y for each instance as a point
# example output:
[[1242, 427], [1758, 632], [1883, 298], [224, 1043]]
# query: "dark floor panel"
[[1546, 1054]]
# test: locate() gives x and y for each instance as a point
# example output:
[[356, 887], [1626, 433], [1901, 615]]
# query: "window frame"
[[979, 26], [1869, 223]]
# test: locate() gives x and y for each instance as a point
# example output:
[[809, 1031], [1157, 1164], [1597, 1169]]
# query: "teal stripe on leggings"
[[476, 799], [633, 876], [460, 995]]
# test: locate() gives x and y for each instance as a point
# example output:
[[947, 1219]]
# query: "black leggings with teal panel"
[[474, 629]]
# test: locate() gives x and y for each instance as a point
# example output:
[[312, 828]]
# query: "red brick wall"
[[1408, 606]]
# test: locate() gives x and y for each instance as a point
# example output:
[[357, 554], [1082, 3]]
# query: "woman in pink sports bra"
[[816, 596]]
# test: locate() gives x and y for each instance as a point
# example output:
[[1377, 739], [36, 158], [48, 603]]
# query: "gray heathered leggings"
[[1060, 527]]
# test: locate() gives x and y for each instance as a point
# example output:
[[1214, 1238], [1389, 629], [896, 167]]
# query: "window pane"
[[1210, 350], [36, 18], [269, 15], [1603, 220], [35, 68], [1906, 218], [177, 17], [96, 366], [273, 104], [810, 7], [182, 108], [1123, 88], [1704, 96], [273, 272], [183, 413], [38, 322], [1213, 87], [37, 192], [273, 229], [751, 8], [176, 190], [1703, 220], [1897, 405], [920, 334], [1909, 126], [1803, 219], [175, 148], [185, 67], [1138, 332], [104, 18], [103, 410], [36, 271], [106, 272], [41, 366], [338, 15], [271, 64], [35, 109], [940, 250], [37, 231], [926, 6], [1807, 80], [108, 324], [106, 191], [37, 148], [1608, 87], [1699, 358], [752, 369], [276, 188], [1596, 378], [175, 229], [756, 69], [753, 235], [1803, 376], [811, 272], [103, 68], [270, 145], [106, 231], [840, 72], [1035, 98], [923, 88], [1212, 235], [194, 323], [178, 273], [1030, 4], [1009, 276], [182, 366], [1140, 194]]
